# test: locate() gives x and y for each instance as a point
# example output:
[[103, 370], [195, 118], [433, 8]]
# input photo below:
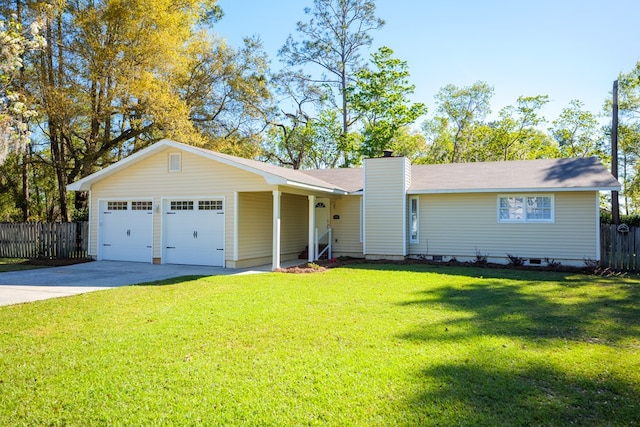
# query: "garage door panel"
[[194, 232], [126, 234]]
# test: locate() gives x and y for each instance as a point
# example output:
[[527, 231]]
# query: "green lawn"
[[367, 345], [15, 264]]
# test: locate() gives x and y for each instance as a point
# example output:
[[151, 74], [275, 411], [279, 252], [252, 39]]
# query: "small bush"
[[552, 263], [481, 259], [591, 263], [515, 260]]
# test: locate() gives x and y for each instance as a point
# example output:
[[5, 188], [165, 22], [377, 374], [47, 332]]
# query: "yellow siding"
[[346, 230], [199, 177], [461, 225], [255, 225], [294, 220], [385, 206]]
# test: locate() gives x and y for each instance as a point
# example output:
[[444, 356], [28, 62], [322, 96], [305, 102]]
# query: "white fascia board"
[[513, 190], [315, 188]]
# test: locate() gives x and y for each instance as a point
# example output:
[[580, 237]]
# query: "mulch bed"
[[323, 265], [55, 262]]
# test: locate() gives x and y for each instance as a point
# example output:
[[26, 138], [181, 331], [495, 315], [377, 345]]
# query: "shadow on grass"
[[499, 309], [171, 281], [466, 394], [507, 390]]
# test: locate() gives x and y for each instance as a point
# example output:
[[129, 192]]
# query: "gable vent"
[[175, 162]]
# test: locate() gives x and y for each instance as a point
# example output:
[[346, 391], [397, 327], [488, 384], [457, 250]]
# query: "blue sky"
[[566, 49]]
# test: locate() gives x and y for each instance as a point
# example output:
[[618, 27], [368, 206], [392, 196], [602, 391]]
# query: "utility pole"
[[615, 204]]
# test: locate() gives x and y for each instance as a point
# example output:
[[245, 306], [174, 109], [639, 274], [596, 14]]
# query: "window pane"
[[181, 205], [539, 208], [141, 206], [414, 220], [117, 206], [210, 205], [512, 208]]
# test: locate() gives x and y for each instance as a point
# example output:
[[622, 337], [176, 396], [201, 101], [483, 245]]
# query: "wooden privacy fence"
[[620, 247], [44, 240]]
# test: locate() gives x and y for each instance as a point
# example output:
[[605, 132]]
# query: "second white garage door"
[[194, 232]]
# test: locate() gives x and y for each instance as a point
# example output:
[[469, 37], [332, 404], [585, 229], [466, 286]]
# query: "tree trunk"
[[26, 157]]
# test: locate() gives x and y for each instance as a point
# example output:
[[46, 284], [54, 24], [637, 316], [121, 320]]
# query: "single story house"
[[175, 203]]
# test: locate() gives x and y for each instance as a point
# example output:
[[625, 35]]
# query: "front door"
[[322, 216]]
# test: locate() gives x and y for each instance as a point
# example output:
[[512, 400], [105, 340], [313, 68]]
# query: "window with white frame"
[[521, 208], [413, 219]]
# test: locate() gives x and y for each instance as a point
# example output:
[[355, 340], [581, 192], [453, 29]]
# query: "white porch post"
[[236, 227], [276, 230], [312, 227]]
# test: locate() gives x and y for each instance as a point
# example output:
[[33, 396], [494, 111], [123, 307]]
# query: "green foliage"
[[380, 97], [459, 113], [331, 41], [578, 133], [607, 218], [629, 137], [228, 95], [116, 76], [361, 345]]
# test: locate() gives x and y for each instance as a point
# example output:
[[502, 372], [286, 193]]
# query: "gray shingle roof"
[[530, 175], [519, 175], [348, 178]]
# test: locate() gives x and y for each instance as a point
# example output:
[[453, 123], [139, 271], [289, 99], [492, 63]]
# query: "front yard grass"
[[362, 345], [15, 264]]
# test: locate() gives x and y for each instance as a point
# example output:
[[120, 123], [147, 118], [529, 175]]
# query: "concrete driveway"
[[44, 283]]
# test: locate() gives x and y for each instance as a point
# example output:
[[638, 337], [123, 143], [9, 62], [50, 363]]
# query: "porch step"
[[305, 253]]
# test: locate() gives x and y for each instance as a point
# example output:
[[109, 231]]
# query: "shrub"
[[591, 263], [552, 263], [480, 258], [515, 260]]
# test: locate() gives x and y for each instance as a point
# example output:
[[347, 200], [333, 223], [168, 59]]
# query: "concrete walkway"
[[44, 283]]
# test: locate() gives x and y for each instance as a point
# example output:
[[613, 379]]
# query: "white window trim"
[[415, 239], [361, 219], [524, 220]]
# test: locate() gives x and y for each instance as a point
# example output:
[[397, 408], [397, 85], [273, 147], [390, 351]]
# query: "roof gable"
[[272, 174]]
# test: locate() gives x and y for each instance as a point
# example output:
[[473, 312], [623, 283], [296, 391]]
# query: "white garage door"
[[194, 232], [126, 230]]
